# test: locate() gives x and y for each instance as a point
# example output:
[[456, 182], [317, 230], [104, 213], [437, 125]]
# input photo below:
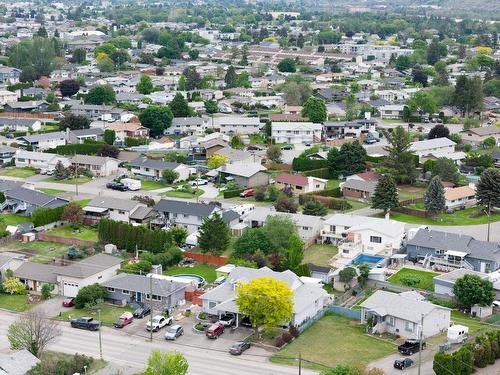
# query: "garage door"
[[70, 289]]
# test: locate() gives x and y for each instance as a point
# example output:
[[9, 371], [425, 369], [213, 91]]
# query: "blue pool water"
[[371, 260], [473, 178]]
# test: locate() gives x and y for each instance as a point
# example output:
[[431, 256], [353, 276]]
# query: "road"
[[132, 351]]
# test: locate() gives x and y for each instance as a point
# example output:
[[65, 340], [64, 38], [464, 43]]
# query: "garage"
[[69, 289]]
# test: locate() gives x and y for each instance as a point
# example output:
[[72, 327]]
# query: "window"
[[211, 304], [409, 326], [156, 298], [111, 290], [375, 239], [391, 321], [121, 212], [124, 291]]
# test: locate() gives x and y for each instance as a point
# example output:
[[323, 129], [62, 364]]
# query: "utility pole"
[[151, 306], [76, 176], [300, 363], [421, 335], [100, 338], [489, 221]]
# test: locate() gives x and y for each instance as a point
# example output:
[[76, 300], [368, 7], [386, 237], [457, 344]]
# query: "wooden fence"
[[9, 239], [42, 236], [206, 258], [404, 209], [278, 166], [50, 116]]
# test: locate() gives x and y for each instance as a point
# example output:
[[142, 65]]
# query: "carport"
[[229, 307]]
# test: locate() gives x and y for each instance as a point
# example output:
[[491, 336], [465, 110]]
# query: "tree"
[[279, 229], [244, 56], [441, 78], [314, 208], [468, 95], [69, 87], [179, 234], [294, 254], [106, 65], [144, 199], [215, 161], [179, 106], [285, 204], [231, 77], [343, 370], [351, 159], [439, 131], [489, 142], [403, 62], [434, 200], [109, 151], [72, 213], [386, 194], [211, 106], [214, 235], [74, 122], [400, 162], [274, 153], [79, 55], [332, 156], [419, 75], [472, 290], [109, 136], [32, 331], [314, 109], [169, 175], [60, 172], [46, 290], [90, 295], [13, 286], [35, 57], [492, 88], [347, 275], [422, 101], [156, 118], [251, 241], [236, 142], [145, 85], [433, 52], [351, 107], [446, 169], [99, 95], [166, 363], [296, 91], [193, 79], [243, 80], [488, 188], [287, 65], [193, 54], [266, 301], [181, 84]]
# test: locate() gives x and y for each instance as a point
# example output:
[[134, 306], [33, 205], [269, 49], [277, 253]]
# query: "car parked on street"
[[142, 311], [174, 332], [215, 330], [403, 363], [158, 322], [68, 302], [239, 347], [125, 319], [87, 323], [116, 186]]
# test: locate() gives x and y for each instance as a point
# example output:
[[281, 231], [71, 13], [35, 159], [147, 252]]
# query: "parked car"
[[125, 319], [174, 332], [410, 346], [198, 182], [403, 363], [246, 322], [68, 302], [247, 193], [116, 186], [370, 141], [158, 322], [239, 347], [86, 322], [215, 330], [227, 319], [141, 312]]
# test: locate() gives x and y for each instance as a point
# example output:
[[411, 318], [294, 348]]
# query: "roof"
[[369, 176], [18, 121], [452, 276], [431, 143], [125, 126], [17, 363], [235, 120], [44, 136], [37, 271], [320, 269], [296, 126], [368, 186], [137, 283], [141, 213], [154, 164], [459, 192], [42, 156], [183, 207], [114, 203], [89, 266], [242, 169], [8, 184], [182, 121], [87, 132], [357, 223], [484, 131], [292, 179], [234, 155], [35, 197]]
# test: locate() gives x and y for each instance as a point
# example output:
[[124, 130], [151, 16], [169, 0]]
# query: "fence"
[[394, 287], [9, 239], [206, 258], [339, 310], [50, 116], [278, 166], [411, 211], [65, 240]]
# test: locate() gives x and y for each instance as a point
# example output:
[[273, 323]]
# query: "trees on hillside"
[[145, 85], [69, 87], [99, 95], [386, 194], [74, 122]]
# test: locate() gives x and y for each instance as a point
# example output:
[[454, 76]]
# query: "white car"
[[199, 182], [158, 322]]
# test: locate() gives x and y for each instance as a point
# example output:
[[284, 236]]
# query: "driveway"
[[52, 306], [386, 364], [210, 191]]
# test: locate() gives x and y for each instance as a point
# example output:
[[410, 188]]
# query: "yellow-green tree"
[[166, 363], [266, 301], [215, 161], [14, 286]]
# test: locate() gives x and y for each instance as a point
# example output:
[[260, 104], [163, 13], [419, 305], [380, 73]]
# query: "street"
[[132, 351]]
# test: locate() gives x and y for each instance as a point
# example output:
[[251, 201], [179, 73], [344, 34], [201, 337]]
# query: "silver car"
[[173, 332]]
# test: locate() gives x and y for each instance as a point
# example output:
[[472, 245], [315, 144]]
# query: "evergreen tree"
[[331, 158], [351, 107], [434, 200], [193, 79], [488, 188], [181, 85], [386, 194], [433, 52], [109, 136], [236, 142], [419, 76], [351, 159], [179, 106], [211, 106], [60, 172], [214, 235], [400, 161], [314, 208], [231, 78], [145, 85], [244, 56]]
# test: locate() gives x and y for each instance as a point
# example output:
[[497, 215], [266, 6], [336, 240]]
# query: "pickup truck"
[[86, 322], [410, 346]]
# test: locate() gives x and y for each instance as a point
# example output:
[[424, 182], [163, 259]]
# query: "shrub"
[[305, 164], [73, 253], [14, 286], [287, 337], [89, 295], [232, 193], [279, 342], [42, 216], [46, 289], [294, 331], [410, 280]]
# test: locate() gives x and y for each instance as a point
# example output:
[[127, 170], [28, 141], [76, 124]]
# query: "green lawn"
[[19, 172], [151, 185], [52, 191], [460, 217], [16, 303], [40, 251], [474, 324], [405, 195], [109, 314], [425, 278], [70, 181], [204, 270], [83, 202], [319, 255], [334, 340], [183, 194], [356, 205], [14, 219], [257, 139], [332, 184], [83, 233]]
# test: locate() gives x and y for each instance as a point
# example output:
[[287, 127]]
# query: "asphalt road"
[[132, 352]]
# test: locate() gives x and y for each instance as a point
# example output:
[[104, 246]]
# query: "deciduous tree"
[[145, 85], [74, 122], [169, 176], [109, 136], [179, 106], [472, 290], [72, 213], [166, 363], [236, 142], [103, 94], [69, 87], [446, 169], [156, 118], [314, 109], [215, 161], [439, 131], [274, 153], [294, 255]]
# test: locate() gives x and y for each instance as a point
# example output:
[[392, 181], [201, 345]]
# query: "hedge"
[[79, 148], [335, 192], [42, 216], [232, 193], [132, 142], [330, 202], [305, 164], [320, 173]]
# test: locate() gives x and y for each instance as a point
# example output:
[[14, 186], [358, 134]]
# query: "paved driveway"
[[386, 364]]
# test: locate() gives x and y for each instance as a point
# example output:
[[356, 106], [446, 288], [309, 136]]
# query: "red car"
[[247, 193], [215, 330], [68, 302], [125, 319]]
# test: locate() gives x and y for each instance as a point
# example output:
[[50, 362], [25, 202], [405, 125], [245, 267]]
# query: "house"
[[496, 157], [99, 166], [152, 169], [365, 176], [357, 189], [308, 298], [44, 141], [97, 112], [128, 130], [332, 95], [491, 103], [362, 234], [116, 209], [208, 148], [24, 201], [244, 174], [239, 156], [391, 111], [19, 124], [476, 136], [163, 143], [236, 125], [449, 250], [403, 314], [17, 363], [7, 153], [189, 125], [10, 261], [67, 280], [189, 215], [433, 146], [126, 288], [443, 283], [299, 184], [352, 129], [460, 197], [30, 106], [82, 135], [40, 160], [7, 97], [296, 132], [319, 272], [9, 75]]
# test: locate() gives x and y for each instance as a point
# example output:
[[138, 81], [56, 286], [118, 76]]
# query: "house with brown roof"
[[476, 136], [358, 189], [460, 197], [364, 176], [299, 184], [128, 129]]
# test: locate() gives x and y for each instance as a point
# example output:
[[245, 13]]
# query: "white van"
[[131, 184]]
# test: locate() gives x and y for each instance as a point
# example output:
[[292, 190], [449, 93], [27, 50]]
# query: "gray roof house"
[[450, 250], [44, 141], [152, 169], [25, 201], [100, 166], [245, 174], [81, 135], [19, 124], [117, 209], [185, 214], [308, 298], [7, 153], [443, 283], [17, 363], [401, 314]]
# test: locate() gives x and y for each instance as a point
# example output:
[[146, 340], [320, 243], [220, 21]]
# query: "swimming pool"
[[200, 281], [371, 260]]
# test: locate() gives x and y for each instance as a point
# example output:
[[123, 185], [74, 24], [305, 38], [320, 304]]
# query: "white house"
[[99, 166], [236, 125], [19, 124], [124, 210], [40, 160], [391, 111], [296, 132], [460, 197], [433, 146], [44, 141], [7, 97], [152, 169], [189, 125]]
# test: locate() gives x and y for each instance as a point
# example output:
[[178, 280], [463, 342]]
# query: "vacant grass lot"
[[39, 251], [334, 340], [151, 185], [109, 314], [204, 270], [19, 172], [460, 217], [474, 324], [70, 181], [14, 302], [14, 219], [83, 233], [319, 255], [183, 194], [52, 191], [54, 357], [424, 277]]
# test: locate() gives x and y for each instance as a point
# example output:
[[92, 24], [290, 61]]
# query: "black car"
[[403, 363], [116, 186], [410, 346], [239, 347], [141, 312]]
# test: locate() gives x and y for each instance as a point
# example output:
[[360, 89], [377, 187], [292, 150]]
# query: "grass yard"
[[356, 205], [109, 314], [14, 219], [319, 255], [151, 185], [332, 184], [459, 217], [19, 172], [54, 357], [204, 270], [424, 278], [474, 324], [83, 233], [257, 139], [40, 251], [334, 340], [52, 191], [70, 181], [183, 194], [18, 303], [407, 192]]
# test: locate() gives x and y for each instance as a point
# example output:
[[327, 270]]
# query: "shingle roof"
[[43, 136], [8, 184], [368, 186], [35, 197], [182, 207], [90, 131], [114, 203], [89, 266], [293, 179], [37, 271], [90, 159], [242, 169], [137, 283], [154, 164], [17, 121], [431, 143], [459, 192]]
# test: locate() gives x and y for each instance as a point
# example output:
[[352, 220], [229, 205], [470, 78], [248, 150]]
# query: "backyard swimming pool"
[[200, 281], [371, 260]]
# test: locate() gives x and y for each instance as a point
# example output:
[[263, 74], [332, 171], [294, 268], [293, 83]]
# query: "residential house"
[[356, 189], [460, 197], [185, 214], [24, 201], [129, 97], [9, 75], [332, 95], [163, 143], [124, 210], [364, 176], [189, 125], [296, 132], [44, 141], [82, 135], [98, 112], [244, 174], [350, 129], [39, 160], [17, 363], [19, 124], [152, 169], [236, 125], [491, 103], [125, 288], [476, 136], [391, 111], [299, 184], [308, 298], [7, 97], [128, 130], [239, 156], [403, 314], [30, 106], [496, 157], [440, 146], [10, 261], [7, 153], [449, 250], [99, 166], [444, 282], [320, 272], [205, 149]]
